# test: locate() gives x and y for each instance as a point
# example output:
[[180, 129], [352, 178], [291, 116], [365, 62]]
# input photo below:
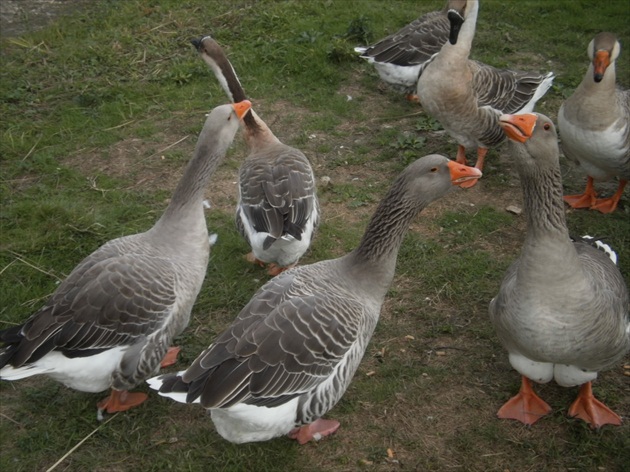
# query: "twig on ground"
[[30, 264], [67, 454]]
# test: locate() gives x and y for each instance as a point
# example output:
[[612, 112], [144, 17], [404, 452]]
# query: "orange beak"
[[600, 64], [518, 127], [241, 108], [461, 173]]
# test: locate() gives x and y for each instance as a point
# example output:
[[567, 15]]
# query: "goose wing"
[[413, 44], [507, 90], [108, 300], [283, 343], [278, 197]]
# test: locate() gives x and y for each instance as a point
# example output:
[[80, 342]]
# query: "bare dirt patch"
[[20, 16]]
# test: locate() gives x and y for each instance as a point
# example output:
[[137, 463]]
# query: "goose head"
[[213, 55], [603, 50], [533, 138], [231, 113], [457, 12], [433, 176]]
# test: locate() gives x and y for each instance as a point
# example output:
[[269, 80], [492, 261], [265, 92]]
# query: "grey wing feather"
[[105, 302], [278, 197], [415, 43], [503, 89], [280, 346]]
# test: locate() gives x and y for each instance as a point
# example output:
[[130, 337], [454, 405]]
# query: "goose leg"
[[481, 155], [590, 409], [119, 400], [608, 205], [585, 200], [461, 155], [525, 406], [316, 430], [413, 98], [170, 357]]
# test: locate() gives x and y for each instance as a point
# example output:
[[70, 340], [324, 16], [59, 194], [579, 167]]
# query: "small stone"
[[514, 209], [324, 181], [440, 353]]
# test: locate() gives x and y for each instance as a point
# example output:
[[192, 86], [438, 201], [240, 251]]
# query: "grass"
[[100, 110]]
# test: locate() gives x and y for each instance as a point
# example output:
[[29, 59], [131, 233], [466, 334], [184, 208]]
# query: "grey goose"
[[111, 321], [468, 97], [594, 125], [278, 210], [562, 308], [400, 57], [292, 351]]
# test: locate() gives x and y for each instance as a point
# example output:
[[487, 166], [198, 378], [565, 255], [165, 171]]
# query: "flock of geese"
[[561, 310]]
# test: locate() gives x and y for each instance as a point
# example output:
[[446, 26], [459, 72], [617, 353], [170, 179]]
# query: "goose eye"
[[434, 169], [546, 126]]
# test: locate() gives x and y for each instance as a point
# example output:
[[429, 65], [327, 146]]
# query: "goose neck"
[[186, 201], [387, 228], [543, 205]]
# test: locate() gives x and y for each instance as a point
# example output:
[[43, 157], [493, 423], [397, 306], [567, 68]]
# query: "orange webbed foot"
[[590, 409], [120, 400], [605, 205], [316, 430], [525, 406], [249, 257], [275, 269], [413, 98], [579, 201], [584, 200], [170, 357]]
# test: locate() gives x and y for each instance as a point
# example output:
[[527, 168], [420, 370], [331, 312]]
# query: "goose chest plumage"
[[400, 57], [278, 210], [468, 97], [594, 125], [292, 351], [111, 321], [562, 308]]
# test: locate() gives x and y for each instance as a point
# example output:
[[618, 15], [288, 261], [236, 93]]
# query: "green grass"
[[100, 111]]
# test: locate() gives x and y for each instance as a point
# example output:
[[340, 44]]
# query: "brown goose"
[[562, 309], [468, 97], [111, 321], [278, 209], [400, 57], [594, 125], [291, 353]]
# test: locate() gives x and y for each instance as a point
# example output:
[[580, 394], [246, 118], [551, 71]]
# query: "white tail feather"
[[11, 373]]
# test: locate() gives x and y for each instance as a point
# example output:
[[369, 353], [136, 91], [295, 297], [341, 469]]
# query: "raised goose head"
[[603, 50], [458, 10], [533, 138]]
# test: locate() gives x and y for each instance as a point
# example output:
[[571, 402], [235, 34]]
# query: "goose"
[[111, 321], [400, 57], [278, 210], [291, 353], [468, 97], [562, 308], [594, 125]]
